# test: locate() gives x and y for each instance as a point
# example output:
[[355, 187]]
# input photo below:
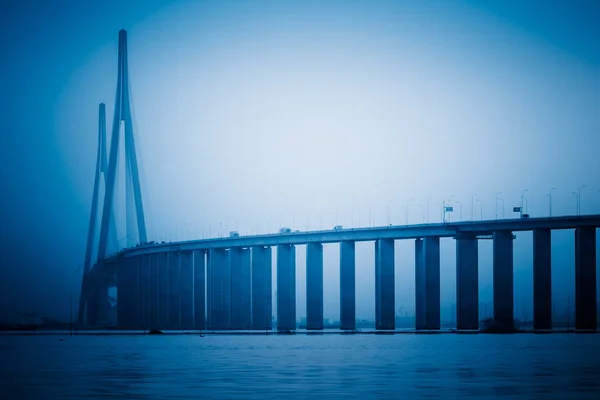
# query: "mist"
[[251, 116]]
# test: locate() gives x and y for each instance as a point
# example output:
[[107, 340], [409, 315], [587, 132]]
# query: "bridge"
[[226, 283]]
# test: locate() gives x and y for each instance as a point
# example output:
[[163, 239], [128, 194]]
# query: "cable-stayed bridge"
[[226, 283]]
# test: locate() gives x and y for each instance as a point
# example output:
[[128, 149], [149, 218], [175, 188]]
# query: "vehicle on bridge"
[[337, 228], [285, 230], [234, 234]]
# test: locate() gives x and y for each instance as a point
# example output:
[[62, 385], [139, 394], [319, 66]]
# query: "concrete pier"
[[186, 294], [503, 278], [384, 285], [126, 285], [467, 282], [144, 276], [200, 289], [163, 290], [542, 279], [153, 269], [314, 286], [286, 288], [261, 288], [174, 291], [241, 309], [219, 289], [347, 286], [585, 279], [427, 283]]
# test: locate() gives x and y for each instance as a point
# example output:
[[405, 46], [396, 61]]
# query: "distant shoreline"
[[273, 332]]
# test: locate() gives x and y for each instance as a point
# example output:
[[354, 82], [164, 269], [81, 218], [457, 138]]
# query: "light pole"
[[550, 201], [406, 209], [480, 208], [522, 200], [444, 208], [498, 198], [388, 212], [429, 198], [422, 212], [460, 210], [473, 204], [579, 199], [577, 202]]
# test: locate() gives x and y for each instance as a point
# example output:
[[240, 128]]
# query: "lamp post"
[[406, 210], [576, 202], [498, 198], [429, 198], [550, 201], [473, 204], [480, 208], [460, 210], [523, 201], [388, 212], [579, 199], [444, 208]]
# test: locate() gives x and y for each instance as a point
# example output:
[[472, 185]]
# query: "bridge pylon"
[[93, 294]]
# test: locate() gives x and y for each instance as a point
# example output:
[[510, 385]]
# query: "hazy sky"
[[263, 114]]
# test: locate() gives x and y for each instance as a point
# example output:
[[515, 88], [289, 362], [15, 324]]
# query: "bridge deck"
[[449, 229]]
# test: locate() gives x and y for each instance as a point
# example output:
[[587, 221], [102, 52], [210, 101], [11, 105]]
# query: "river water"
[[449, 366]]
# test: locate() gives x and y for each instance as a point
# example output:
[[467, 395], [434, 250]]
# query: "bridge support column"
[[286, 287], [144, 285], [186, 290], [103, 307], [153, 290], [427, 283], [542, 279], [347, 286], [239, 264], [585, 279], [174, 291], [314, 286], [163, 290], [91, 314], [384, 285], [503, 279], [127, 293], [261, 288], [219, 289], [199, 290], [98, 306], [467, 282]]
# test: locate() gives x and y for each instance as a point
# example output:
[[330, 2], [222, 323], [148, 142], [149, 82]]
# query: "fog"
[[251, 116]]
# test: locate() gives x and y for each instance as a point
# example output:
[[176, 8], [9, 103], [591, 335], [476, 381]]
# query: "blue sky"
[[275, 113]]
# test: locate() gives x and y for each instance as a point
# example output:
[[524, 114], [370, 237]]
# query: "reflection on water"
[[561, 366]]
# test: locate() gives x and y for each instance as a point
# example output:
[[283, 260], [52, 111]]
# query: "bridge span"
[[226, 283]]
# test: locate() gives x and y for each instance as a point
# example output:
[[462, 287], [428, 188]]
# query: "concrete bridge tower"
[[94, 296]]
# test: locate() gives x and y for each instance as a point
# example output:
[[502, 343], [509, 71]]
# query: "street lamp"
[[460, 210], [444, 208], [480, 208], [472, 204], [406, 210], [429, 198], [550, 200], [498, 198], [579, 199], [522, 200], [388, 211], [577, 202]]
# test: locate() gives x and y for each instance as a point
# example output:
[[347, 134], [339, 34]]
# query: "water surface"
[[559, 366]]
